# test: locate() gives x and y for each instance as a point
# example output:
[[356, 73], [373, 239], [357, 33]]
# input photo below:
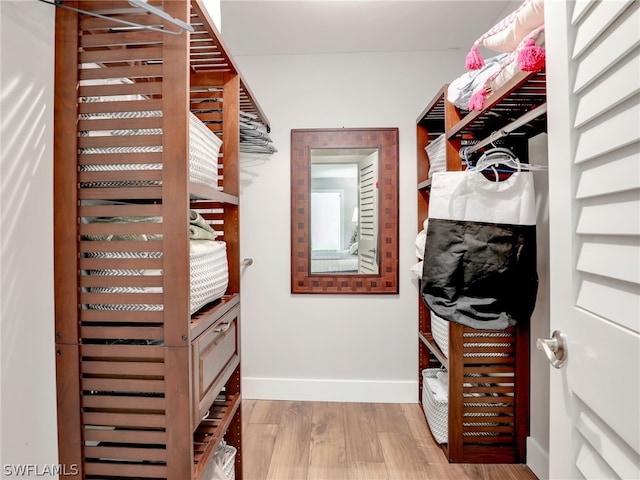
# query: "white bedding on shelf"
[[334, 261], [462, 88], [334, 265]]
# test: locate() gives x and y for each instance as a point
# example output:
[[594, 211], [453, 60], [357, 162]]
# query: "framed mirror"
[[344, 210]]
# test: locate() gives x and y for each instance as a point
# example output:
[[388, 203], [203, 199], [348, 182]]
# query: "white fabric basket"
[[440, 332], [437, 152], [435, 407], [225, 456], [222, 465], [204, 147], [208, 268]]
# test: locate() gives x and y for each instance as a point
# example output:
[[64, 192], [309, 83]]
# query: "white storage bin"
[[435, 404], [223, 464], [440, 332], [437, 152]]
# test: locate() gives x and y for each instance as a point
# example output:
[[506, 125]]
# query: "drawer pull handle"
[[223, 327]]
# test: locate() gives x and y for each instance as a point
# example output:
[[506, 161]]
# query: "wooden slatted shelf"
[[425, 185], [211, 430], [488, 407], [520, 94], [135, 369], [430, 343]]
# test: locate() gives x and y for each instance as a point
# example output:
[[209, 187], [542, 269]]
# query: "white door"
[[593, 84], [368, 215]]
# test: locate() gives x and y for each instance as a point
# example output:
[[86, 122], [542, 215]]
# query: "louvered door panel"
[[594, 143], [368, 215], [608, 230]]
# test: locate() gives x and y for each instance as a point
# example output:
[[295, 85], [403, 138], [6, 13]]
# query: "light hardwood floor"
[[285, 440]]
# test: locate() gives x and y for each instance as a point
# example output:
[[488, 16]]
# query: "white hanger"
[[502, 156], [134, 3]]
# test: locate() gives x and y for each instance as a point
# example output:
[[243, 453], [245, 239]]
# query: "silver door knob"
[[555, 348]]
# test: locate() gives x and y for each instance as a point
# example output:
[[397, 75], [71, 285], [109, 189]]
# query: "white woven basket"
[[208, 268], [436, 411], [440, 332], [204, 147], [437, 152], [226, 454]]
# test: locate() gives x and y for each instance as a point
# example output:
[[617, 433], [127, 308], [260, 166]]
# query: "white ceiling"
[[280, 27]]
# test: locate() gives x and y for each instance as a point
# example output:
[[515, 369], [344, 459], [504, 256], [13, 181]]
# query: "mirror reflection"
[[344, 211]]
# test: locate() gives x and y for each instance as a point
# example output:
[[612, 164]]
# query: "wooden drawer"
[[215, 357]]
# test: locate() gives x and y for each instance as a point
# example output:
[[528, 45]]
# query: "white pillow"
[[507, 34], [514, 65]]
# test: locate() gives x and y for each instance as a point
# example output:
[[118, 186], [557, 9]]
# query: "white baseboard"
[[303, 389], [537, 459]]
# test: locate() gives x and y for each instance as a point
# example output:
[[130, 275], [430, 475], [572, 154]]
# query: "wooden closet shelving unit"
[[144, 394], [501, 372]]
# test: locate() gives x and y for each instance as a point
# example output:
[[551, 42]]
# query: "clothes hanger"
[[134, 3], [499, 156], [489, 162]]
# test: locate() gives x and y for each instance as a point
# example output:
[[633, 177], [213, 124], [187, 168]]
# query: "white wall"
[[213, 7], [28, 415], [330, 347]]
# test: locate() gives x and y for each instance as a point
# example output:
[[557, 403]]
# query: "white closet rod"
[[527, 117], [134, 3]]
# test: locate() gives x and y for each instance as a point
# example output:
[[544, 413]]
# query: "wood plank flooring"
[[285, 440]]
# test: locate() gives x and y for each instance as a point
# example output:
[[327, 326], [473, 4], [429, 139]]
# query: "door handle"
[[555, 348]]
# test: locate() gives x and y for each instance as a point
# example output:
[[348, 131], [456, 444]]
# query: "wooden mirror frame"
[[386, 141]]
